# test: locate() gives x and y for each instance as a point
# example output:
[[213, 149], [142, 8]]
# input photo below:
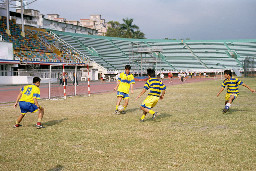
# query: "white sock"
[[228, 105]]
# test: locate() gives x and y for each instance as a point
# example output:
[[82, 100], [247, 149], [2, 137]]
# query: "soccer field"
[[83, 133]]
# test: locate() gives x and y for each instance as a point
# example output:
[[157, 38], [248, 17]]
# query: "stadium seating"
[[114, 53], [37, 45]]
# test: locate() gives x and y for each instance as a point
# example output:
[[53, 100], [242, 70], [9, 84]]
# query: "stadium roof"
[[114, 53]]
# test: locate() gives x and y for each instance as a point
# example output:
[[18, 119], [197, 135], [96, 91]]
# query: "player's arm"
[[36, 103], [132, 88], [222, 88], [117, 85], [162, 95], [252, 90], [17, 100], [142, 92]]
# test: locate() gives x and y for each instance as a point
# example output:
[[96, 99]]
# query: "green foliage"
[[114, 29], [125, 30]]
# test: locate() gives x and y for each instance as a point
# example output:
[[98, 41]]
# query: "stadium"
[[81, 130]]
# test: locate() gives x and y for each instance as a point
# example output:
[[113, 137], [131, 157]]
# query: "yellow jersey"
[[232, 85], [125, 82], [29, 92]]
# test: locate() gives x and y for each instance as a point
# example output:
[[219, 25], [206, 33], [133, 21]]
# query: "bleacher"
[[114, 53], [37, 45]]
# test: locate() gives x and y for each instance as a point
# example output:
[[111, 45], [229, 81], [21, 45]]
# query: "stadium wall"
[[6, 51], [2, 11], [12, 80]]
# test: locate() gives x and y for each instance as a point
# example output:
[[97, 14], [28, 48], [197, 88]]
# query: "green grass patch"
[[83, 133]]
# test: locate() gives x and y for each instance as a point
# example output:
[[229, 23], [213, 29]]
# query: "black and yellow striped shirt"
[[232, 85], [155, 87]]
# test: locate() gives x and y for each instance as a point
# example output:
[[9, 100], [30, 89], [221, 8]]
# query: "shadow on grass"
[[54, 122], [57, 168], [132, 110], [236, 110], [159, 117]]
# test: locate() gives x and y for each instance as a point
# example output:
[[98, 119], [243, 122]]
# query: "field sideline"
[[82, 133]]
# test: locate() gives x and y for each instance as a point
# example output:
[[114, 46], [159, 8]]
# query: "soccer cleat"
[[17, 125], [117, 112], [225, 110], [141, 120], [154, 116], [39, 126], [123, 112]]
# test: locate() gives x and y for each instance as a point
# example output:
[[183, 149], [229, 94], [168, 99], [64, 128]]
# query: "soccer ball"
[[120, 108]]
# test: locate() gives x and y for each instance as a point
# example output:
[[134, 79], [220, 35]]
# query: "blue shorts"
[[26, 107], [123, 95]]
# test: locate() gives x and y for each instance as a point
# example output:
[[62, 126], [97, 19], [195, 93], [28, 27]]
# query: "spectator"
[[162, 77], [75, 79], [170, 75], [66, 78], [61, 79]]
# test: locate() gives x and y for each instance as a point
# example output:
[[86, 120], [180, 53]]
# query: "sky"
[[173, 19]]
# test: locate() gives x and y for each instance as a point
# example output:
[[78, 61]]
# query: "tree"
[[139, 35], [126, 30], [114, 29]]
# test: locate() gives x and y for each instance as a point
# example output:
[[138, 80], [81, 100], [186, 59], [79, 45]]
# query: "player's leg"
[[229, 99], [147, 110], [144, 109], [24, 108], [40, 117], [228, 105], [143, 116], [118, 101], [17, 124], [148, 104], [126, 102]]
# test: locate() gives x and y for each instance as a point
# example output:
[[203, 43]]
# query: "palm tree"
[[114, 29], [128, 28], [138, 35]]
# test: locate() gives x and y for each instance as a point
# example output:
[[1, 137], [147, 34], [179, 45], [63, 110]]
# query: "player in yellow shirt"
[[27, 100], [124, 83], [157, 91], [232, 89]]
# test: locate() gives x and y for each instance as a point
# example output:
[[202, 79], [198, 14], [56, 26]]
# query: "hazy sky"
[[158, 19]]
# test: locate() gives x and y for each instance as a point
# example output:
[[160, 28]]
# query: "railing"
[[75, 50], [199, 60]]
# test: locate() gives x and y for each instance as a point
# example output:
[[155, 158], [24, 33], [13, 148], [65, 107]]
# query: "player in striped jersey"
[[157, 91], [232, 89]]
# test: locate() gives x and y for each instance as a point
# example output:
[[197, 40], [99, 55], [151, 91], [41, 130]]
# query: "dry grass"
[[83, 133]]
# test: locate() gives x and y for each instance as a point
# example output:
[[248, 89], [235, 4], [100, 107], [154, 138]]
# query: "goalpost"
[[58, 89]]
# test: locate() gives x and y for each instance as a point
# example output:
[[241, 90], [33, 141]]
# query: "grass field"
[[82, 133]]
